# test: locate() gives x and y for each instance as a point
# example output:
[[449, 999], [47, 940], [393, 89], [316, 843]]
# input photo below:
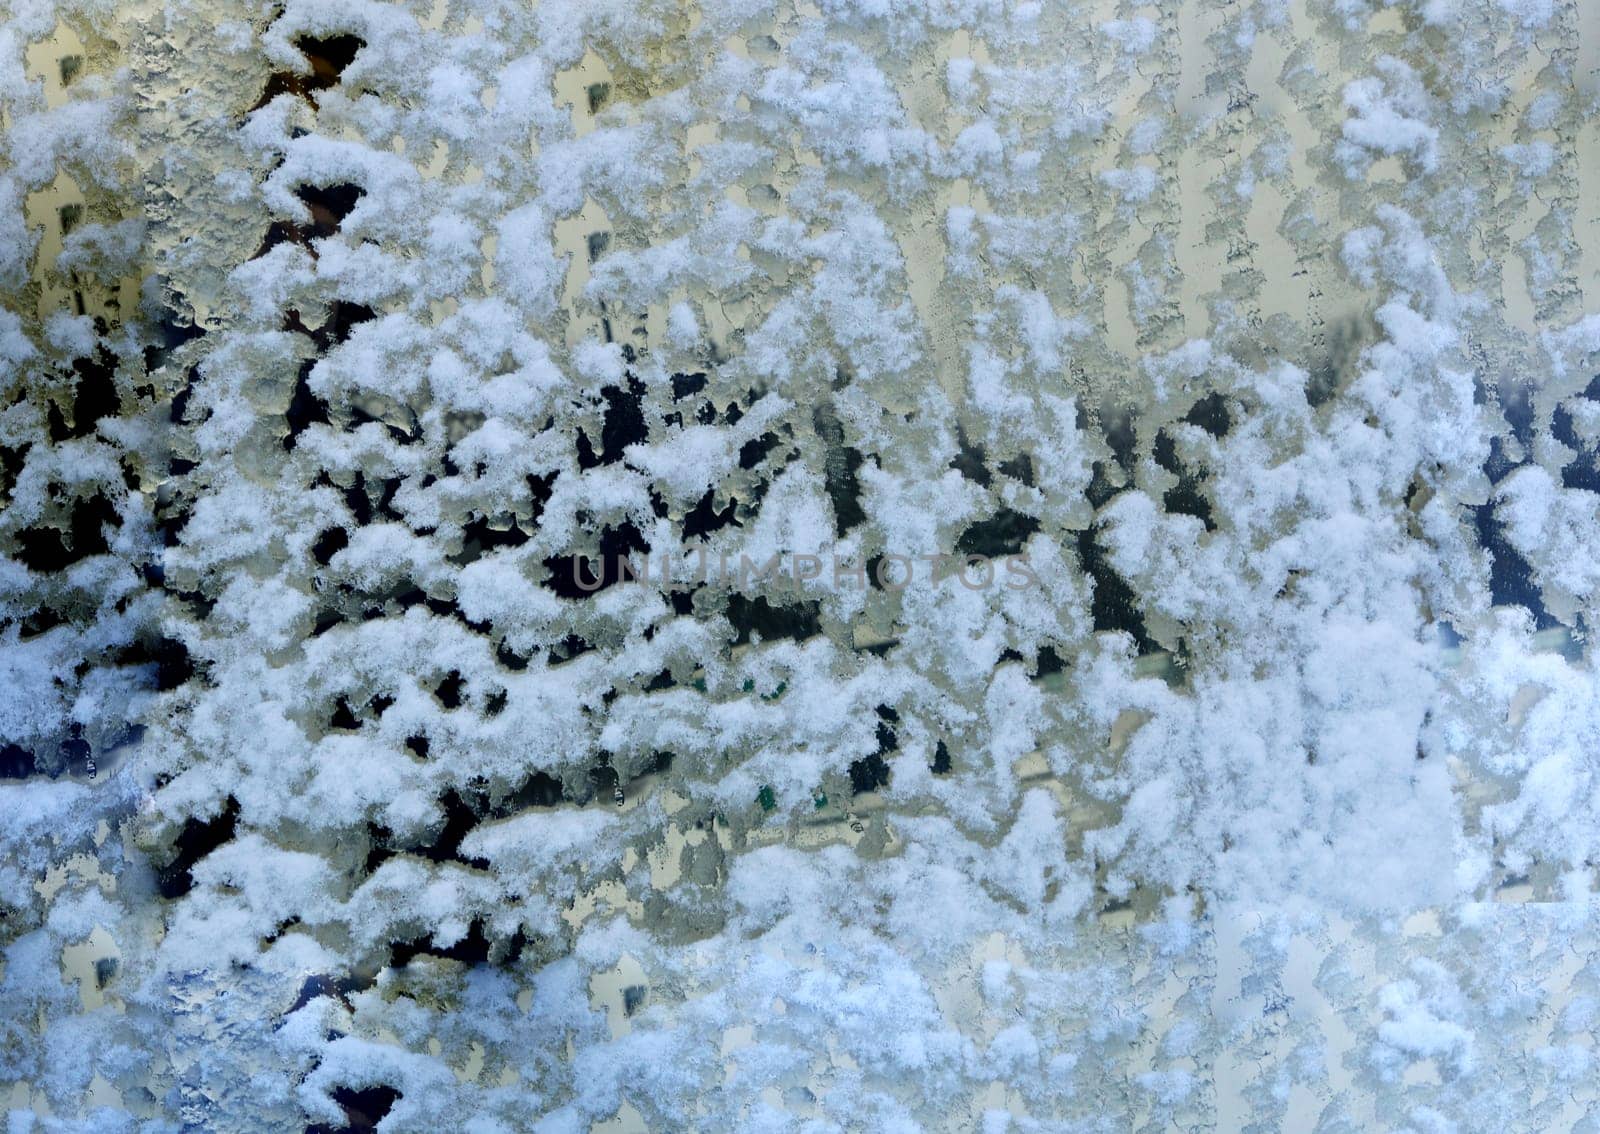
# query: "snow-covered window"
[[799, 565]]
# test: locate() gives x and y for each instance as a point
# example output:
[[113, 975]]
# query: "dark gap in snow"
[[405, 597], [77, 756], [579, 576], [279, 232], [706, 414], [633, 997], [540, 789], [1101, 488], [495, 703], [417, 746], [11, 462], [1165, 452], [798, 621], [343, 317], [363, 1109], [174, 666], [16, 762], [473, 949], [585, 450], [198, 838], [460, 817], [1002, 534], [969, 462], [540, 489], [105, 971], [180, 400], [1500, 462], [624, 422], [360, 417], [305, 408], [941, 759], [509, 658], [844, 489], [754, 451], [605, 782], [170, 333], [448, 691], [479, 537], [180, 466], [872, 772], [878, 649], [1049, 662], [1561, 427], [329, 205], [56, 427], [329, 542], [869, 774], [1510, 576], [40, 622], [1211, 414], [1114, 605], [685, 385], [50, 549], [1185, 498], [320, 985], [355, 497], [328, 56], [94, 396], [839, 469], [1020, 468], [703, 519], [1583, 471], [344, 716], [660, 681]]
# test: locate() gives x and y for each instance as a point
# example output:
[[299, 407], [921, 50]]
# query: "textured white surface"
[[1265, 330]]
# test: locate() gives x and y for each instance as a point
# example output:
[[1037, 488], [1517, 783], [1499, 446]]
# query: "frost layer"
[[335, 332]]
